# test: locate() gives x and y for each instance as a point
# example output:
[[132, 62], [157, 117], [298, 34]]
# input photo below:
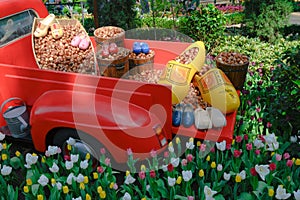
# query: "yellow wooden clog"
[[43, 26], [180, 75]]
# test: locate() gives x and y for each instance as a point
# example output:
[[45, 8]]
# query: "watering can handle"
[[11, 99], [23, 122]]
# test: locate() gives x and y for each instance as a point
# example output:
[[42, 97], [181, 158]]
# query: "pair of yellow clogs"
[[45, 24], [216, 89]]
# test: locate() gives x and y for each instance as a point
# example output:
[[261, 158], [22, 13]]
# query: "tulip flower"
[[187, 175], [297, 194], [71, 141], [271, 192], [201, 173], [84, 164], [171, 181], [226, 176], [6, 170], [2, 136], [80, 178], [129, 180], [43, 180], [54, 168], [281, 193], [74, 158], [69, 165], [126, 196], [262, 170], [221, 145], [209, 193]]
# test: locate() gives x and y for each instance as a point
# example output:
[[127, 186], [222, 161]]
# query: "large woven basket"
[[63, 56]]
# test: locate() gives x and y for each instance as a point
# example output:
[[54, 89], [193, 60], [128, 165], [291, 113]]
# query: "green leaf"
[[219, 197], [161, 188], [15, 162], [261, 186], [180, 197], [245, 196], [35, 189]]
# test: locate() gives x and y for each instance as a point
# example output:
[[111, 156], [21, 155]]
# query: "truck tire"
[[83, 143]]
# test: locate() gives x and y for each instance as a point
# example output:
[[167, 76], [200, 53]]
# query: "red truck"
[[97, 111]]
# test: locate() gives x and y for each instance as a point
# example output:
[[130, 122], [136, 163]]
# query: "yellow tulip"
[[69, 147], [4, 146], [18, 153], [297, 161], [272, 154], [65, 189], [43, 159], [144, 198], [208, 158], [40, 197], [95, 175], [198, 143], [177, 140], [213, 165], [238, 178], [53, 181], [111, 185], [271, 192], [102, 195], [171, 144], [88, 197], [26, 189], [143, 168], [28, 181], [81, 186], [179, 179], [233, 141], [99, 189], [87, 156], [85, 179], [34, 154], [191, 140], [201, 173], [4, 156], [127, 173]]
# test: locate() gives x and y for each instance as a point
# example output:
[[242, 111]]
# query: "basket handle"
[[11, 99]]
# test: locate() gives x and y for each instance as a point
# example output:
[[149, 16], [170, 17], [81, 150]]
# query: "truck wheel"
[[83, 144]]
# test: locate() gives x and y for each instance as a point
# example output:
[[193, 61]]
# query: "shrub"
[[206, 24], [159, 22], [119, 13], [234, 18], [287, 77], [265, 18]]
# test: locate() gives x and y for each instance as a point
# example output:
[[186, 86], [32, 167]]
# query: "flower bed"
[[259, 164]]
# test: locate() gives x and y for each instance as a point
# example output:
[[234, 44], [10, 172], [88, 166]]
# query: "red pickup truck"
[[97, 111]]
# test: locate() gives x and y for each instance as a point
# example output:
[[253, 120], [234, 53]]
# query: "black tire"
[[84, 143]]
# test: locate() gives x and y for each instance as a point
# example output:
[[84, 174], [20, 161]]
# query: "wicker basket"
[[118, 38], [138, 65], [235, 72], [84, 61], [117, 68]]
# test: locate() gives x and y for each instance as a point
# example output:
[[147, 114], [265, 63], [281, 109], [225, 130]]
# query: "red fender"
[[116, 124]]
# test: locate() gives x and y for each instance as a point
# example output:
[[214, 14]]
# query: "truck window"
[[16, 26]]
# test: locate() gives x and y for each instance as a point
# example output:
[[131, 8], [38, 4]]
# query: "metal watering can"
[[15, 113]]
